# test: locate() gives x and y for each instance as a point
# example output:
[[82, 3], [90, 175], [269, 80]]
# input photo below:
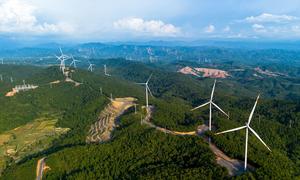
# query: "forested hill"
[[137, 151], [166, 77]]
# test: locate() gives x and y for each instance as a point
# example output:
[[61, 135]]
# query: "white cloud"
[[152, 27], [16, 16], [270, 18], [209, 29], [259, 28], [238, 36]]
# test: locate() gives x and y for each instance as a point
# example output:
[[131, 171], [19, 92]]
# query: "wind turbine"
[[247, 127], [74, 62], [147, 90], [211, 103], [63, 55], [62, 58], [105, 71], [90, 67]]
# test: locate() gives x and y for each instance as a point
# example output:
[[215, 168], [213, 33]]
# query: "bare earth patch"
[[11, 93], [72, 81], [69, 79], [101, 130], [213, 73], [207, 72], [188, 70], [18, 89], [268, 72], [55, 82]]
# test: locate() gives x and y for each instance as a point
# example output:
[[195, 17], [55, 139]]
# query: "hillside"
[[150, 153]]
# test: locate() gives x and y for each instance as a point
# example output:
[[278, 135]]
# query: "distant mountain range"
[[162, 51]]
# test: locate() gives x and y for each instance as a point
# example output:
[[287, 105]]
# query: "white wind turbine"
[[90, 67], [105, 71], [74, 62], [147, 90], [63, 55], [247, 127], [62, 58], [62, 63], [211, 103]]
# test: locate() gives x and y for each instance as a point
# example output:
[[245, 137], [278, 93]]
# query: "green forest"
[[138, 151]]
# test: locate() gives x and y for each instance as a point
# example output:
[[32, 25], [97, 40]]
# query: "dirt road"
[[234, 166], [40, 168]]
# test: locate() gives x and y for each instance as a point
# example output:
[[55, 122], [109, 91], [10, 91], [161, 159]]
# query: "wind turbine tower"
[[211, 103], [105, 71], [62, 58], [74, 62], [147, 90], [90, 68], [248, 128]]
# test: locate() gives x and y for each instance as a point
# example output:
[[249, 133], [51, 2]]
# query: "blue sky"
[[123, 20]]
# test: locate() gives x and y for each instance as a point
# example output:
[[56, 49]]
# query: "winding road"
[[40, 168], [234, 166]]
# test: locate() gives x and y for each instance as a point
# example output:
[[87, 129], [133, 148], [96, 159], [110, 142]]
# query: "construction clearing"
[[204, 72], [67, 74], [20, 88], [101, 130]]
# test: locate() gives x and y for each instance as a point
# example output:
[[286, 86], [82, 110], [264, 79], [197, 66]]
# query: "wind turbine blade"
[[67, 57], [213, 90], [231, 130], [60, 50], [252, 112], [200, 106], [58, 58], [140, 83], [259, 138], [149, 79], [149, 91], [219, 109]]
